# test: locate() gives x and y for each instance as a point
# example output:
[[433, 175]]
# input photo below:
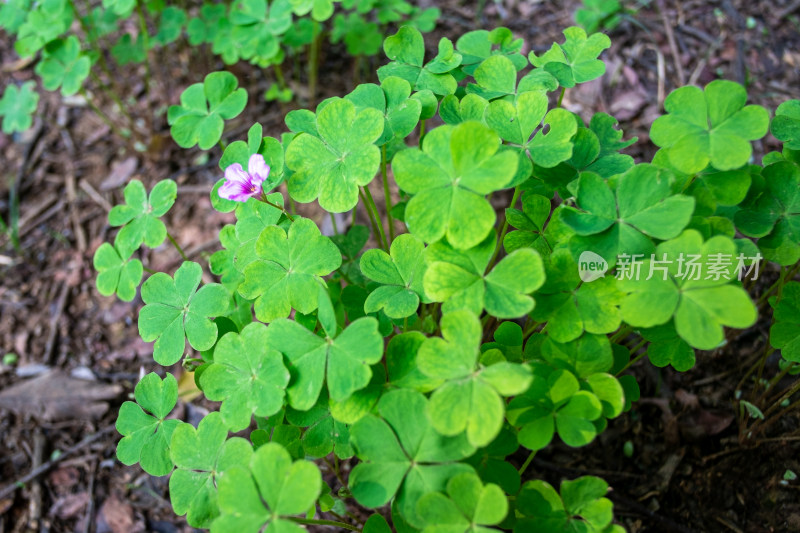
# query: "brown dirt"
[[688, 471]]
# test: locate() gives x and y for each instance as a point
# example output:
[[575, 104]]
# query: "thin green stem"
[[561, 96], [526, 463], [313, 63], [177, 246], [635, 359], [370, 203], [114, 97], [292, 206], [369, 215], [149, 270], [145, 42], [421, 131], [276, 206], [503, 231], [105, 118], [387, 194], [276, 67], [623, 331], [333, 223], [221, 145], [333, 523]]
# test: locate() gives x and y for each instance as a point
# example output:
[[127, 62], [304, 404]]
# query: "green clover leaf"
[[478, 45], [471, 397], [176, 311], [401, 362], [321, 10], [784, 334], [786, 124], [772, 212], [599, 14], [449, 177], [515, 119], [13, 14], [288, 269], [455, 111], [140, 214], [45, 23], [555, 402], [247, 376], [17, 106], [458, 279], [400, 275], [362, 38], [322, 432], [468, 507], [692, 283], [255, 31], [392, 98], [595, 149], [128, 51], [116, 271], [709, 126], [122, 8], [402, 456], [406, 49], [204, 108], [252, 218], [580, 507], [667, 348], [63, 66], [201, 456], [221, 262], [575, 61], [584, 356], [570, 307], [145, 437], [341, 361], [530, 222], [491, 465], [170, 26], [332, 166], [204, 28], [273, 488], [620, 222]]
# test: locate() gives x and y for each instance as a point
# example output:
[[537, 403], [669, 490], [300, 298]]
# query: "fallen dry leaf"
[[120, 174], [56, 396]]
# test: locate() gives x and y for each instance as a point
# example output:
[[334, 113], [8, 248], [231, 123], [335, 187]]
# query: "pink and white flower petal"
[[258, 168], [235, 173]]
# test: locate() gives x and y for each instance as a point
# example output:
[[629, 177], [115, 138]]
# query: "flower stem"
[[276, 206], [561, 96], [177, 246], [333, 223], [526, 463], [312, 522], [370, 203], [387, 194]]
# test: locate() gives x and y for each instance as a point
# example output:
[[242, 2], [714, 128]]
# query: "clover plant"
[[457, 337]]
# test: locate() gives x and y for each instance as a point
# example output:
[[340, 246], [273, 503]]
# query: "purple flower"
[[239, 185]]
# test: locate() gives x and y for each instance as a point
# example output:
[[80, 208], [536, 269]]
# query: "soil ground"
[[689, 471]]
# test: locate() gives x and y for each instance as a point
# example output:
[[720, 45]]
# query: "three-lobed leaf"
[[177, 311]]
